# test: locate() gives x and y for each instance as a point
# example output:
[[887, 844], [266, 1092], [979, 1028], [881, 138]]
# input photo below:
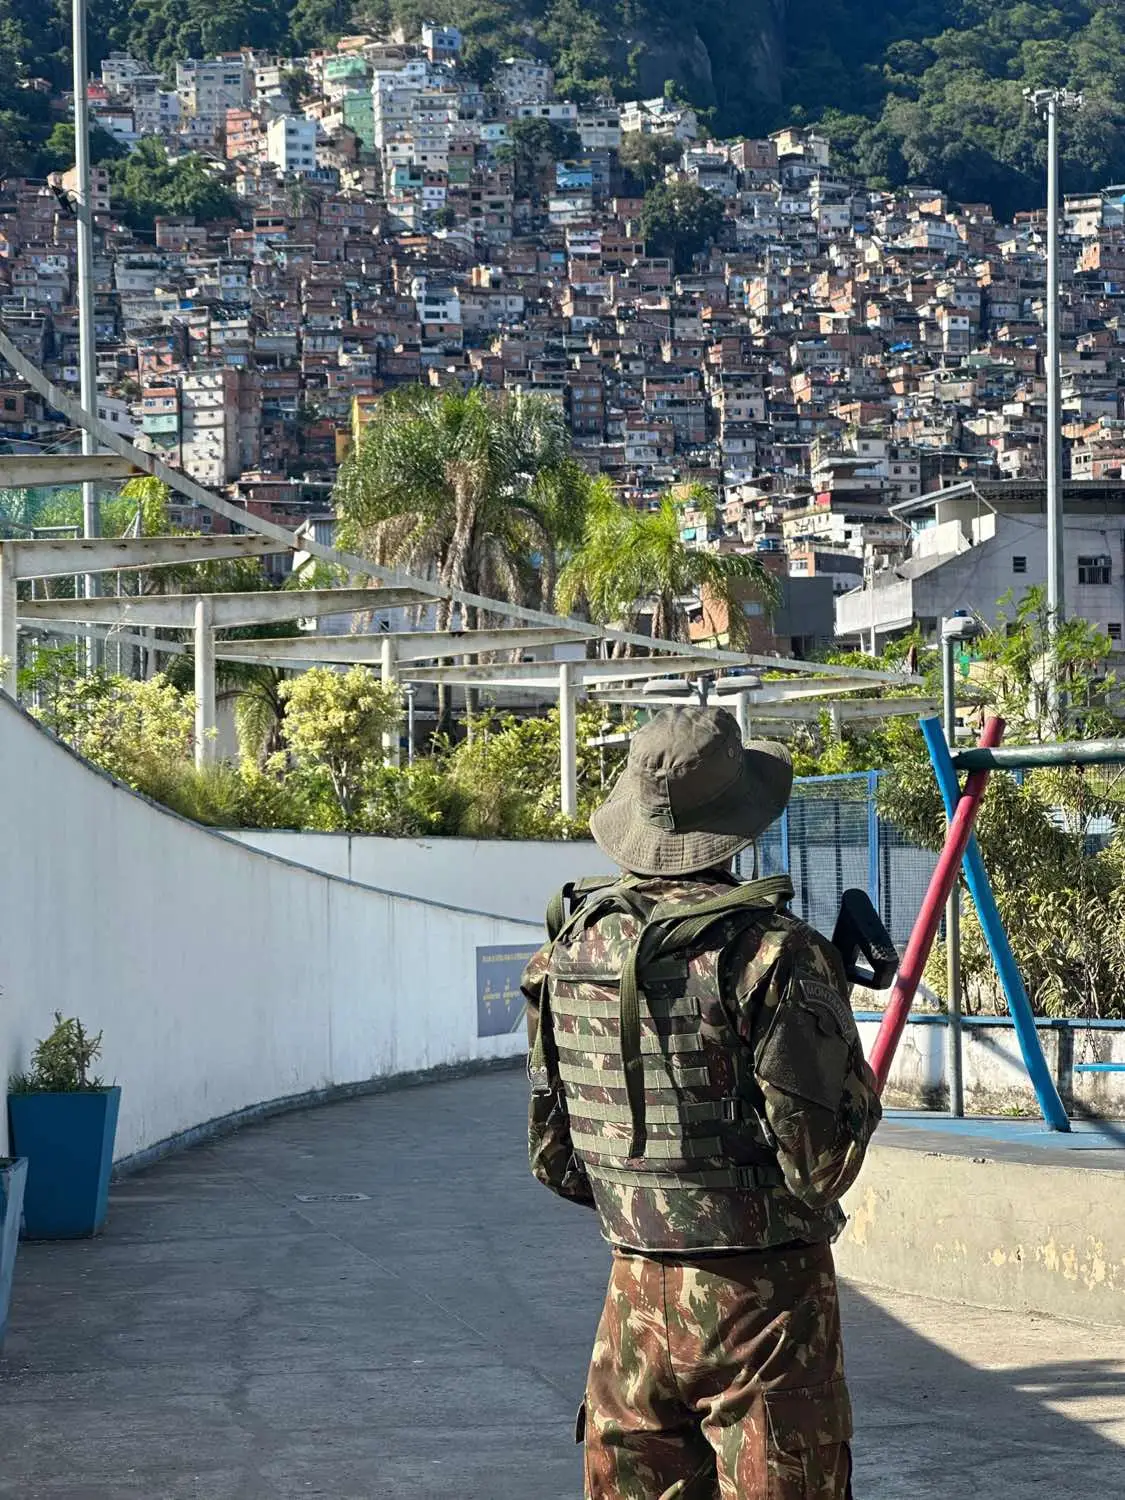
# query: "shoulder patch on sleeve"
[[821, 996]]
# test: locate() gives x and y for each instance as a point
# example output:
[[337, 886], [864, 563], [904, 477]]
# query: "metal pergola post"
[[206, 749], [9, 622], [743, 703], [389, 677], [568, 740]]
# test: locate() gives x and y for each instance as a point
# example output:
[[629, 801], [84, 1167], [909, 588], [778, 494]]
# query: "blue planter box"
[[13, 1175], [68, 1142]]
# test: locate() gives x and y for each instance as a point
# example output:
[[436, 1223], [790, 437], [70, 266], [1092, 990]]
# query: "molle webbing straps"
[[568, 909], [672, 927]]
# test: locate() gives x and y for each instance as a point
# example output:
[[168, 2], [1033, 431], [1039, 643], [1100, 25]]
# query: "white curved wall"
[[506, 877], [221, 977]]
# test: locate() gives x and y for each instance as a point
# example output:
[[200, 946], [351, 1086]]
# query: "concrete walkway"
[[241, 1334]]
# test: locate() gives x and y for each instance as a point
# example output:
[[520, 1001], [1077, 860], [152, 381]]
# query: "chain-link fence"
[[831, 838]]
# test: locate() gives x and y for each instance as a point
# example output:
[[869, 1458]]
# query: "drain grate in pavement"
[[332, 1197]]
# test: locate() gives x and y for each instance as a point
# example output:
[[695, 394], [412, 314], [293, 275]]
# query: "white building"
[[599, 128], [209, 426], [120, 72], [975, 542], [438, 305], [156, 111], [115, 413], [208, 89], [393, 95], [659, 117], [291, 144], [520, 80], [440, 43], [561, 112]]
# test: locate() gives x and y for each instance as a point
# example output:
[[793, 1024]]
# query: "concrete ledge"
[[1034, 1229]]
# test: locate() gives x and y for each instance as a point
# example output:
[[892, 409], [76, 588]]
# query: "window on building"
[[1019, 564], [1095, 569], [1114, 630]]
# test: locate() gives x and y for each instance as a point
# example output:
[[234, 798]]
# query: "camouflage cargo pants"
[[719, 1379]]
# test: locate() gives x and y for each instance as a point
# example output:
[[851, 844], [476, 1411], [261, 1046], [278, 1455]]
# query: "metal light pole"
[[954, 630], [1047, 103], [87, 362]]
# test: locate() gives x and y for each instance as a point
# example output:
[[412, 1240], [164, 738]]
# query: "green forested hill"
[[912, 90]]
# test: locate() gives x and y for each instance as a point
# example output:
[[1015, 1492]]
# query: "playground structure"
[[962, 806]]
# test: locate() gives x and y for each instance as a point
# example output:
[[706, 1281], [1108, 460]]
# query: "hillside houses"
[[836, 359]]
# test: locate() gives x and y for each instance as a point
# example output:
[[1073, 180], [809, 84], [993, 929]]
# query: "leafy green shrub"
[[224, 796], [61, 1062], [337, 721], [509, 775], [133, 730], [415, 801]]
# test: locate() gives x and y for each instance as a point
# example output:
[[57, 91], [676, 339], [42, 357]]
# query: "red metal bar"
[[926, 926]]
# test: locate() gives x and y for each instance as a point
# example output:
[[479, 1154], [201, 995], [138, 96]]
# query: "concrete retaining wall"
[[221, 977], [1032, 1237], [513, 879], [516, 879]]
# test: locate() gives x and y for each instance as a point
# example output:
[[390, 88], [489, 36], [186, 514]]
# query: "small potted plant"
[[64, 1122], [13, 1174]]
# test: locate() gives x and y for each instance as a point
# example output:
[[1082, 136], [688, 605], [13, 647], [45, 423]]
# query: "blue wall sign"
[[500, 1003]]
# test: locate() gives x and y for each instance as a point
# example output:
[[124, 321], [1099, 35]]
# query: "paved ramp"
[[373, 1301]]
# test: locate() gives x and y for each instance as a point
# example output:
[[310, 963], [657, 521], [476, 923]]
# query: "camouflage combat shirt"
[[784, 995]]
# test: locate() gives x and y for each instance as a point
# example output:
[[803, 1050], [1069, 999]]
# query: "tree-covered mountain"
[[912, 90]]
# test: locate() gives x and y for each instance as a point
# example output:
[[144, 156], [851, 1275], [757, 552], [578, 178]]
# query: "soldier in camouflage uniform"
[[698, 1079]]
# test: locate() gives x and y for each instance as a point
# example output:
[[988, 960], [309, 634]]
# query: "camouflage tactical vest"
[[665, 1112]]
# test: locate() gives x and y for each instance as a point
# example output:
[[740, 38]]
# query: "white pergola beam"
[[783, 712], [410, 646], [726, 691], [585, 672], [30, 470], [177, 611], [114, 633], [66, 556]]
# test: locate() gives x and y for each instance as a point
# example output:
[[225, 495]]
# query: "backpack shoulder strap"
[[568, 908], [610, 893], [565, 902]]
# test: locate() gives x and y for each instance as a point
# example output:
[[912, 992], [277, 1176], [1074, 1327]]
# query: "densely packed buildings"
[[836, 361]]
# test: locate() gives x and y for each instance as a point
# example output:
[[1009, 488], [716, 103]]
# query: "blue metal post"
[[785, 841], [976, 877], [873, 841]]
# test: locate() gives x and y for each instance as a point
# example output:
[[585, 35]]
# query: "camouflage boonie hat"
[[691, 795]]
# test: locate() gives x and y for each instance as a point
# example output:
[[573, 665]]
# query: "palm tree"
[[629, 559], [478, 490]]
